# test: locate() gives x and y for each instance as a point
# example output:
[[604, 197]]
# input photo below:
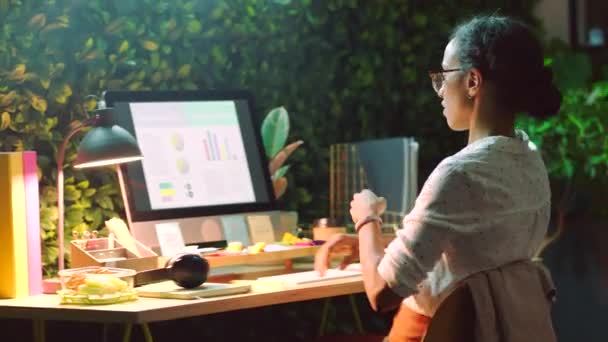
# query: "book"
[[32, 208], [169, 290], [14, 281], [347, 177], [391, 171], [388, 167], [308, 277]]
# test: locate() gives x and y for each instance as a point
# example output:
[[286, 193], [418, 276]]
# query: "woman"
[[484, 207]]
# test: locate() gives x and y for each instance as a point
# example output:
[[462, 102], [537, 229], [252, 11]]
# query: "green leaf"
[[86, 202], [594, 160], [49, 195], [83, 185], [89, 192], [6, 121], [281, 172], [275, 129], [73, 217], [71, 193], [107, 190], [105, 202], [94, 217], [194, 26], [568, 168]]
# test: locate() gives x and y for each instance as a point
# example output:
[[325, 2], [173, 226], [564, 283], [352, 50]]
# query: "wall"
[[554, 16]]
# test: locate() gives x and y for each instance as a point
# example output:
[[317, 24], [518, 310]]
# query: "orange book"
[[13, 228]]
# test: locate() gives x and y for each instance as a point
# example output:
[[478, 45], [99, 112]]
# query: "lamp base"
[[51, 285]]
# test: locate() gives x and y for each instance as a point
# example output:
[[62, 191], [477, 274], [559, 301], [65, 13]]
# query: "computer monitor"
[[202, 151]]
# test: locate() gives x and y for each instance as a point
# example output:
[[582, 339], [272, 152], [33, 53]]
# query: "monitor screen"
[[202, 154]]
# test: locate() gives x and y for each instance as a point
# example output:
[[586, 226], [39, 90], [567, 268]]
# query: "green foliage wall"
[[344, 69], [574, 143]]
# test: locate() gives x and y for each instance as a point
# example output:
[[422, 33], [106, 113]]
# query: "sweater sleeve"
[[426, 230]]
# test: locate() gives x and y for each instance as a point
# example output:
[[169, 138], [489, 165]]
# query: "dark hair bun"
[[508, 53], [542, 99]]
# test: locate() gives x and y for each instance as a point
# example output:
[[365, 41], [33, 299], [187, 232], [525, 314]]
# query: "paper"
[[168, 289], [235, 229], [260, 228], [170, 238], [122, 234]]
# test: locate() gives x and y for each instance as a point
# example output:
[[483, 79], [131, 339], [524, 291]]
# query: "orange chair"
[[453, 321]]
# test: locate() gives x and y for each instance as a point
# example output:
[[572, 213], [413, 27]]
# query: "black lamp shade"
[[107, 145]]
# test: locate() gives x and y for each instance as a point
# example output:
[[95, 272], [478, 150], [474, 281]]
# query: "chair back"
[[454, 320]]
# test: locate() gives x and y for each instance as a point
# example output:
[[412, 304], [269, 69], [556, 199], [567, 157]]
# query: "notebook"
[[169, 290], [309, 277], [391, 167], [32, 209]]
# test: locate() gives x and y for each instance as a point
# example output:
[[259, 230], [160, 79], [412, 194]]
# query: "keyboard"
[[299, 278]]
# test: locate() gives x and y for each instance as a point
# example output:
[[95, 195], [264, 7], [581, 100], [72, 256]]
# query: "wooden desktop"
[[147, 310]]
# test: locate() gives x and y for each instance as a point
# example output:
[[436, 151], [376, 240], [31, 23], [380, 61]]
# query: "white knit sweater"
[[483, 207]]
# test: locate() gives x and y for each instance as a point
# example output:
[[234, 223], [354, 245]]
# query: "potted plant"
[[275, 130]]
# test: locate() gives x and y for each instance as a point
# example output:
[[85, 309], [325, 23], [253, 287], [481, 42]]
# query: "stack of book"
[[20, 250]]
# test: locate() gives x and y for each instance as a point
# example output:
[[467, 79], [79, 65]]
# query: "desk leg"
[[353, 306], [147, 333], [144, 327], [38, 330], [127, 336], [324, 314], [104, 333], [356, 316]]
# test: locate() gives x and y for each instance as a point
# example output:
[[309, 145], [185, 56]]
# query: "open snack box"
[[120, 249], [96, 285], [111, 253]]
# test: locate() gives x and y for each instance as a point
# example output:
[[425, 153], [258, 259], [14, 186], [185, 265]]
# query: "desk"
[[147, 310]]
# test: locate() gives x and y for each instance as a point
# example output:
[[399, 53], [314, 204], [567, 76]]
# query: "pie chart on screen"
[[177, 141], [182, 166]]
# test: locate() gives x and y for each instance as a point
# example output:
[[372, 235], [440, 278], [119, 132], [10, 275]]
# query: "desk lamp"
[[105, 144]]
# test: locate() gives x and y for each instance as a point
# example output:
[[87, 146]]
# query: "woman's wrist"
[[370, 218]]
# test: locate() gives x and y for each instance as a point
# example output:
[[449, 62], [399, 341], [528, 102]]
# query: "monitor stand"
[[248, 228]]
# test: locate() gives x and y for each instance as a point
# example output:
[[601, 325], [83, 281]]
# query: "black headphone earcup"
[[169, 263], [188, 270]]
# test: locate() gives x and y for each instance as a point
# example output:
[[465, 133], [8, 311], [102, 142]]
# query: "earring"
[[469, 96]]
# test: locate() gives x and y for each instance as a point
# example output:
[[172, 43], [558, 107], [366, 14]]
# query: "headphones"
[[186, 270]]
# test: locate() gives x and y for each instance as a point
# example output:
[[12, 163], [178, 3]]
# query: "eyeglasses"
[[438, 77]]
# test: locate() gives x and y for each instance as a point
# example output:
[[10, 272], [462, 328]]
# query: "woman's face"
[[456, 106]]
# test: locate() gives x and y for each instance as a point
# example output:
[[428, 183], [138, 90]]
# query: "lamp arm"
[[60, 204]]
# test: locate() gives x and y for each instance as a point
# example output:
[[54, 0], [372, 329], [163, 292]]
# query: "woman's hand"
[[366, 203], [337, 244]]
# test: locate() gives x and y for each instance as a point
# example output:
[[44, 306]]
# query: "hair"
[[507, 53]]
